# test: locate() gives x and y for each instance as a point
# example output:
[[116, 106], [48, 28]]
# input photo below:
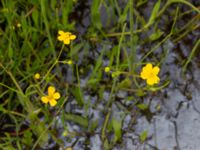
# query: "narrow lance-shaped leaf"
[[153, 14], [117, 125]]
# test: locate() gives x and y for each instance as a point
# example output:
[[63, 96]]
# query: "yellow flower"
[[51, 97], [150, 74], [37, 76], [66, 37], [107, 69]]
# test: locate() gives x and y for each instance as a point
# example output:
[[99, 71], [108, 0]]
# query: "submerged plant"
[[150, 74], [52, 96]]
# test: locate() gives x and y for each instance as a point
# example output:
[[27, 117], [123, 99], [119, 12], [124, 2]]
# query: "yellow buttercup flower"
[[150, 74], [66, 37], [52, 96], [37, 76]]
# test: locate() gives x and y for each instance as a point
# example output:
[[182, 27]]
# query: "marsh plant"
[[59, 60]]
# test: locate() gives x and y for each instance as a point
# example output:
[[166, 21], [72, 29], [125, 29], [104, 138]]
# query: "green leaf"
[[40, 131], [140, 92], [143, 136], [126, 83], [117, 126], [35, 16], [27, 138], [123, 16], [141, 2], [153, 14], [142, 106], [95, 14], [76, 91], [77, 119], [156, 35]]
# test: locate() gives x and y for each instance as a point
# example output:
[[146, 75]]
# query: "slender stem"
[[157, 46], [186, 3], [53, 65], [191, 55], [103, 135]]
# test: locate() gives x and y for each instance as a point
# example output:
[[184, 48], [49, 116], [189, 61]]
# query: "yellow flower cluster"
[[51, 97], [150, 74], [66, 37]]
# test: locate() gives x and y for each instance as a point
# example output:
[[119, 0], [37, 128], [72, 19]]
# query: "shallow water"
[[173, 117]]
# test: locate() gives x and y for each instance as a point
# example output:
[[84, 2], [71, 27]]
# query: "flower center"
[[50, 97], [151, 75]]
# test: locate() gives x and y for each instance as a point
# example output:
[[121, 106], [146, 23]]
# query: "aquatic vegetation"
[[52, 96], [105, 84]]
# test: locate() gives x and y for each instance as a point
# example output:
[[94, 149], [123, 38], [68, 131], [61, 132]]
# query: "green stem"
[[52, 66], [191, 55], [103, 135], [186, 3]]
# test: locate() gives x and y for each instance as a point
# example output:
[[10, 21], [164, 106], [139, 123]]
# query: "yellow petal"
[[67, 33], [61, 32], [144, 74], [56, 95], [150, 81], [72, 37], [156, 70], [148, 67], [66, 41], [60, 38], [153, 80], [51, 90], [53, 102], [157, 79], [44, 99]]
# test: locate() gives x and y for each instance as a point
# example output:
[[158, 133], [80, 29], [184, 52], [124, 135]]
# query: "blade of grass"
[[42, 3], [197, 44]]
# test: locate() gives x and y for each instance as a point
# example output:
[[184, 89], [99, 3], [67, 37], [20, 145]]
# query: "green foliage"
[[77, 119], [117, 127], [95, 14], [124, 42], [142, 106], [154, 14], [78, 95], [27, 138], [143, 136]]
